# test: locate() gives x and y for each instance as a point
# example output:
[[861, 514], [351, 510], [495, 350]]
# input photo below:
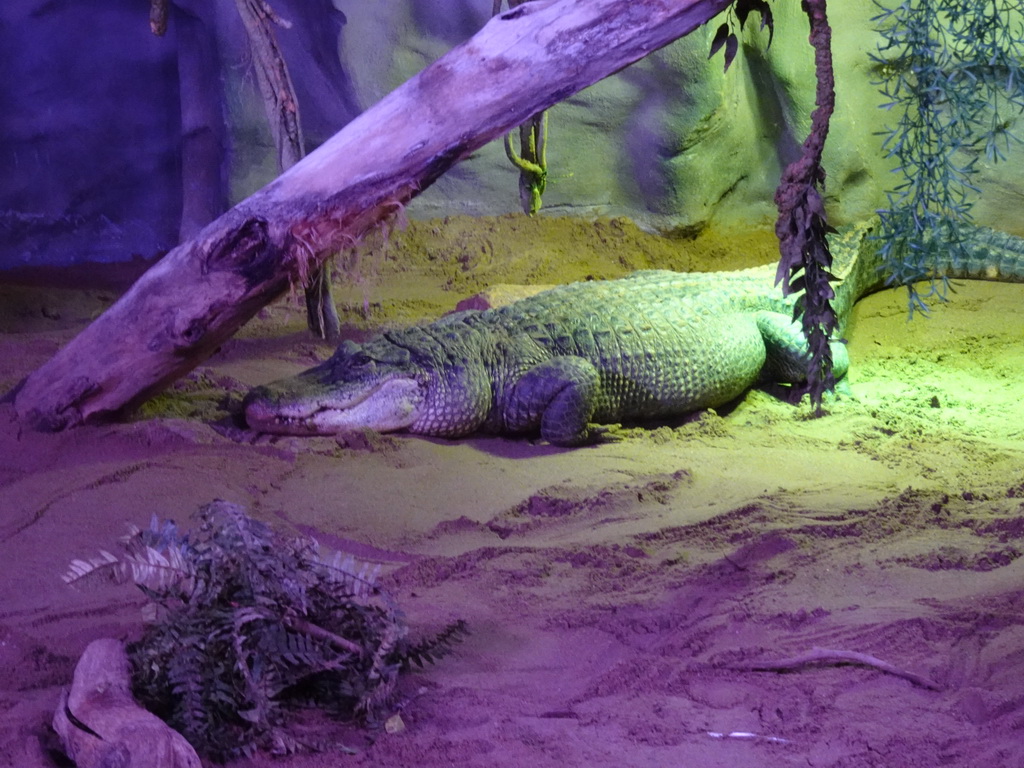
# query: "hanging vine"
[[805, 263], [531, 160]]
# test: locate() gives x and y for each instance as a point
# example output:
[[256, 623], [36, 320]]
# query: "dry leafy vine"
[[805, 263]]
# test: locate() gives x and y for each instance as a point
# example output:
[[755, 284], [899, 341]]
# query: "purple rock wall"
[[89, 133], [115, 143]]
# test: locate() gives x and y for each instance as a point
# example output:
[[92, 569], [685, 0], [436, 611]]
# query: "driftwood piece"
[[275, 83], [281, 105], [197, 296], [100, 724]]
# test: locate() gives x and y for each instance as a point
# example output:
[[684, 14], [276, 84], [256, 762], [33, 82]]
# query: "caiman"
[[568, 360]]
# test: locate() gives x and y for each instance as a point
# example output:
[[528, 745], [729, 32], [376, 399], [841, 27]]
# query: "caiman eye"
[[359, 359]]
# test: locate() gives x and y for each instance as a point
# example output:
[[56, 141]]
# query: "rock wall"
[[116, 143], [89, 162]]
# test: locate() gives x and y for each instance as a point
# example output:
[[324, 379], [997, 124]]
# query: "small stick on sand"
[[828, 656]]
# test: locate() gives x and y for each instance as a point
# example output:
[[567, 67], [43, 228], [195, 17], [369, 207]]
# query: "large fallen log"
[[176, 315]]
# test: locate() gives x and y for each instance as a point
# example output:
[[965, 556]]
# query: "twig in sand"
[[827, 656]]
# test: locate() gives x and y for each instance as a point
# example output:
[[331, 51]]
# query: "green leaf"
[[721, 35], [732, 45]]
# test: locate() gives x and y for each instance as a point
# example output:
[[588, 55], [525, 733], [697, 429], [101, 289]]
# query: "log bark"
[[197, 296]]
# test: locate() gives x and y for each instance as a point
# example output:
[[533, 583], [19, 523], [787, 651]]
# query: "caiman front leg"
[[787, 352], [557, 396]]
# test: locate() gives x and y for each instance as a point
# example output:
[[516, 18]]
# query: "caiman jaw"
[[392, 405]]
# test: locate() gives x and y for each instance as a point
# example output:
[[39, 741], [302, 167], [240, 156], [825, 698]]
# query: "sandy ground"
[[618, 594]]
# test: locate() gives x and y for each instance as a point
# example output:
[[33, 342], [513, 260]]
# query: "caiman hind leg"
[[557, 396]]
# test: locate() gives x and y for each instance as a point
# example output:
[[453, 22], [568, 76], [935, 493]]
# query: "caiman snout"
[[255, 406], [263, 414], [387, 406]]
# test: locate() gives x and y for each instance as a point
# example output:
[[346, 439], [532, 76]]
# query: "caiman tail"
[[988, 254]]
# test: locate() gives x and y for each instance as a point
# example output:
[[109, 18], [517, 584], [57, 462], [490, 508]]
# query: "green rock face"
[[671, 141]]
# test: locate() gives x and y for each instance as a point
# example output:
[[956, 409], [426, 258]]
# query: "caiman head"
[[375, 385], [379, 385]]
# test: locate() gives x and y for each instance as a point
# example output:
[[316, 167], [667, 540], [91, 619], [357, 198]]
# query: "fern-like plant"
[[952, 72], [251, 626]]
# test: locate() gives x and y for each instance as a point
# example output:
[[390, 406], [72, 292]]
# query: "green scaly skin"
[[563, 362]]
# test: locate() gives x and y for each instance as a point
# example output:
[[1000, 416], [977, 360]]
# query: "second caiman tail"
[[564, 362]]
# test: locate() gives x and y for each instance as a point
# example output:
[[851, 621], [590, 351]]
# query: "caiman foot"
[[594, 434], [605, 433]]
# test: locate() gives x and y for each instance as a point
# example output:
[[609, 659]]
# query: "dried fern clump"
[[251, 626]]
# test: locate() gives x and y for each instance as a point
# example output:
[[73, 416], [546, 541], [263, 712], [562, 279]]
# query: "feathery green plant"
[[952, 72], [251, 626]]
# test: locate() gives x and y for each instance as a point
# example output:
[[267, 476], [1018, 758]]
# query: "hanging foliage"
[[806, 262], [951, 72]]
